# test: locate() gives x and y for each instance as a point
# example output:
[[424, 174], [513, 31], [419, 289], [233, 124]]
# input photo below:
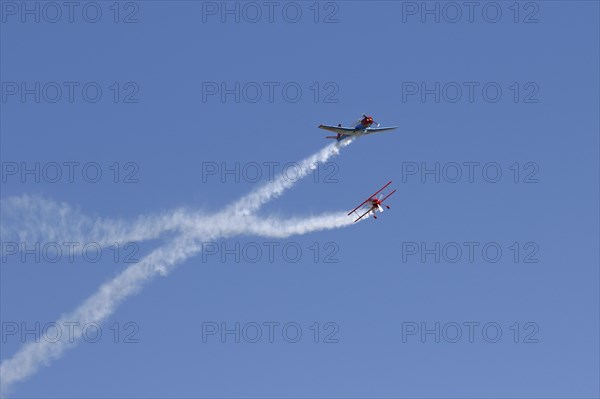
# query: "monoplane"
[[361, 127]]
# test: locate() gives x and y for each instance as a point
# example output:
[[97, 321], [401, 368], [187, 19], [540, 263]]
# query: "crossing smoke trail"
[[162, 261], [32, 219]]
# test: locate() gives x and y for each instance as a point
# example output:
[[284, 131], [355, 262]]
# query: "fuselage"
[[365, 122], [375, 207], [359, 129]]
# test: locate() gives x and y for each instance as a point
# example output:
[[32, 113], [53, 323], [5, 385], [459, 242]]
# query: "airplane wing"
[[368, 199], [360, 206], [371, 130], [337, 129], [387, 196], [364, 214]]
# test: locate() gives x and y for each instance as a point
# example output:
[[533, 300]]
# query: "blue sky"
[[367, 58]]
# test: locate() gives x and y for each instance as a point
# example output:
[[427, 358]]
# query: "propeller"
[[377, 124], [379, 208]]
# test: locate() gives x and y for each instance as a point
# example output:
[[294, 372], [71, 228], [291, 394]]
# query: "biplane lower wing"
[[365, 214], [388, 196]]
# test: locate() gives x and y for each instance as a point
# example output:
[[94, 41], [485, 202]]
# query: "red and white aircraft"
[[361, 128], [373, 203]]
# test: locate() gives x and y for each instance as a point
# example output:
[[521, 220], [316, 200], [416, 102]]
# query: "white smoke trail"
[[95, 309], [161, 261], [31, 219], [253, 201]]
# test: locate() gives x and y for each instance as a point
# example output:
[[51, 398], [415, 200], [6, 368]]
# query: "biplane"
[[372, 205], [361, 128]]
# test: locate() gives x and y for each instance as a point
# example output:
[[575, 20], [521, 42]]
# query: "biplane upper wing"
[[371, 197], [338, 129]]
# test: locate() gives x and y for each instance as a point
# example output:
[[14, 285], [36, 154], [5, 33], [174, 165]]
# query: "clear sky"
[[479, 89]]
